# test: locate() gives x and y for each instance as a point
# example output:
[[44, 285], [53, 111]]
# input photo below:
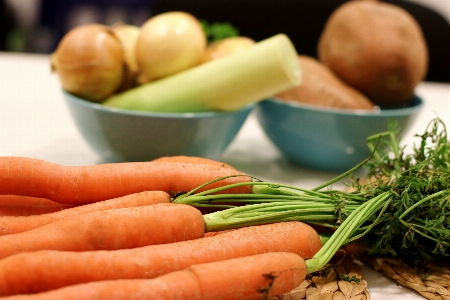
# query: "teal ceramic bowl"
[[123, 135], [328, 139]]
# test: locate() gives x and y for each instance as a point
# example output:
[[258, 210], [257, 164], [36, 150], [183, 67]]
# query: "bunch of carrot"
[[111, 232], [135, 231]]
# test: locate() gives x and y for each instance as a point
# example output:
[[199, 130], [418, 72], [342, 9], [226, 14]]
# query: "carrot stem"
[[196, 199], [258, 187], [264, 213], [343, 175], [345, 231]]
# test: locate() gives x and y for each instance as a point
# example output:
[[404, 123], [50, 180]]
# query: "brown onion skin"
[[89, 62]]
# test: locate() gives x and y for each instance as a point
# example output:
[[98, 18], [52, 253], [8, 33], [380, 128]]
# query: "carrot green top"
[[404, 211]]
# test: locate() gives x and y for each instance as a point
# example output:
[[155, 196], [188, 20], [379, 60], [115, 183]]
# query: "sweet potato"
[[321, 87], [226, 47], [376, 47]]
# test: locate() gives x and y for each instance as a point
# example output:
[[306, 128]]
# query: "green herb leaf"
[[217, 31]]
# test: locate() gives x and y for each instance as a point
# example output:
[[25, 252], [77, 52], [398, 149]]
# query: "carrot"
[[47, 270], [18, 224], [252, 277], [192, 159], [29, 210], [213, 233], [25, 200], [87, 184], [16, 205], [110, 229]]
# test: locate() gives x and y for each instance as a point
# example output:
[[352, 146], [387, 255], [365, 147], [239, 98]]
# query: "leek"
[[226, 84]]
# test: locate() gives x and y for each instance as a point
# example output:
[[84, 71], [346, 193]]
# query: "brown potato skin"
[[376, 47], [321, 87]]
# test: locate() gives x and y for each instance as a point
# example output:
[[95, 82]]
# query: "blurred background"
[[36, 26]]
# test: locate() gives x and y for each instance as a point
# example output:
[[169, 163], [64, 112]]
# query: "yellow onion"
[[226, 47], [128, 34], [169, 43], [89, 62]]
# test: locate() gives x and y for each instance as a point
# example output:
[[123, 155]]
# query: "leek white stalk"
[[230, 83]]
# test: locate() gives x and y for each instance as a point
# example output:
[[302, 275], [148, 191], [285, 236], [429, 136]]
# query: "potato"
[[321, 87], [376, 47]]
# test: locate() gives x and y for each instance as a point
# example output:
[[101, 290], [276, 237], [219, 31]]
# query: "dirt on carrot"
[[87, 184]]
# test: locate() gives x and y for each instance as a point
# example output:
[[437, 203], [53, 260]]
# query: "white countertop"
[[34, 122]]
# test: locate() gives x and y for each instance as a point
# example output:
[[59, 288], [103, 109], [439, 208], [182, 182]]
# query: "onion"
[[169, 43], [226, 47], [89, 62], [127, 35]]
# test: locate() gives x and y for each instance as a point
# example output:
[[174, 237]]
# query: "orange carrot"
[[30, 210], [213, 233], [87, 184], [252, 277], [110, 229], [18, 224], [16, 205], [192, 159], [47, 270], [25, 200]]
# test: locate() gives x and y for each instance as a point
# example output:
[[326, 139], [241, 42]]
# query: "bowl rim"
[[377, 112], [99, 107]]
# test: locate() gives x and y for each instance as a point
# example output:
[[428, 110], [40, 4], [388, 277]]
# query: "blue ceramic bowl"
[[328, 139], [123, 135]]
